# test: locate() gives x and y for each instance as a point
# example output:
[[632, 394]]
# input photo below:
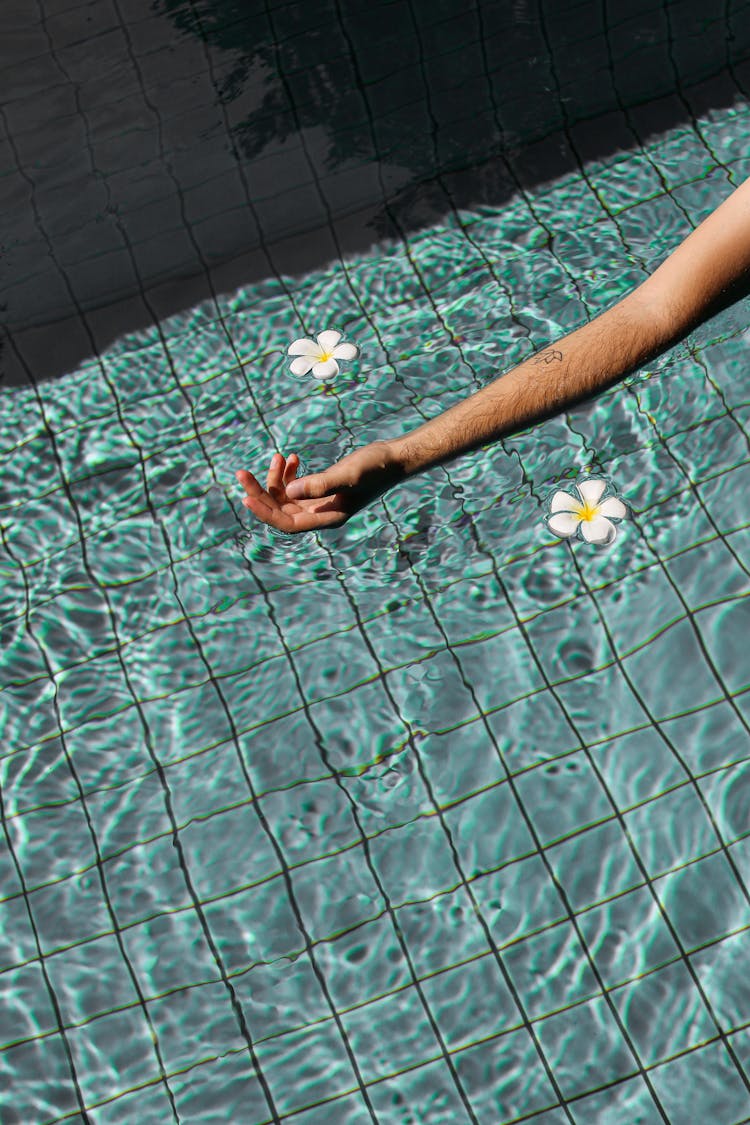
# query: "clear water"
[[431, 818]]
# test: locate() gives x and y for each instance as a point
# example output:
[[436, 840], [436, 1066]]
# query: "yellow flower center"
[[587, 512], [324, 357]]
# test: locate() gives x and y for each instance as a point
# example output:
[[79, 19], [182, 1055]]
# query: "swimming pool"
[[431, 818]]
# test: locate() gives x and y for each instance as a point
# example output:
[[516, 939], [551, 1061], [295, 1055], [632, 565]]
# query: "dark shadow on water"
[[242, 145]]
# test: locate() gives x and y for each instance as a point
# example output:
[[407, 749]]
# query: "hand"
[[325, 499]]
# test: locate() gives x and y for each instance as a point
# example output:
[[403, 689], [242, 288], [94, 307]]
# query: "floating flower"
[[320, 357], [568, 513]]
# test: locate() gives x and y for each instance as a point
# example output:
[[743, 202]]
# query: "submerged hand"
[[320, 500]]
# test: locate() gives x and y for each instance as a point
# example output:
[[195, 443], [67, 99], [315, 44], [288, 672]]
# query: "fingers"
[[260, 502], [272, 505], [292, 464], [248, 482], [301, 520], [280, 472], [265, 504], [313, 487], [269, 513], [275, 478]]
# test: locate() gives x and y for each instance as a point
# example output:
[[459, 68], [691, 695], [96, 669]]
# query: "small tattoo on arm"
[[549, 355]]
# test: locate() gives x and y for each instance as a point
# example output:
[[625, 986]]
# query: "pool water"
[[433, 817]]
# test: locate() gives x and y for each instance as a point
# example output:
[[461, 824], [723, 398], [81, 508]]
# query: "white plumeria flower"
[[568, 513], [321, 357]]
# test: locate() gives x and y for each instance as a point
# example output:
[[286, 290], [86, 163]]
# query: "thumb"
[[310, 488]]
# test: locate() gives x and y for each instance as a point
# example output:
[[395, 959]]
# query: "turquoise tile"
[[503, 1074], [586, 1048], [472, 1002], [627, 936], [723, 1088], [445, 930], [664, 1014]]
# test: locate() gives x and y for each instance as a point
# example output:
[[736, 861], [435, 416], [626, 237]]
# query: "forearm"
[[574, 368], [682, 292]]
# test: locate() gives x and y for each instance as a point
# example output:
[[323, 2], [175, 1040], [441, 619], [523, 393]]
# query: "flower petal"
[[326, 370], [564, 524], [591, 490], [303, 346], [598, 530], [301, 365], [613, 508], [564, 502], [345, 351], [328, 339]]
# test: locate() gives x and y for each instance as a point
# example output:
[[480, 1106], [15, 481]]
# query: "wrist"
[[403, 456]]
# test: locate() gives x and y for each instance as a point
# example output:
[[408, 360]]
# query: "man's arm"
[[678, 295], [576, 367], [682, 292]]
